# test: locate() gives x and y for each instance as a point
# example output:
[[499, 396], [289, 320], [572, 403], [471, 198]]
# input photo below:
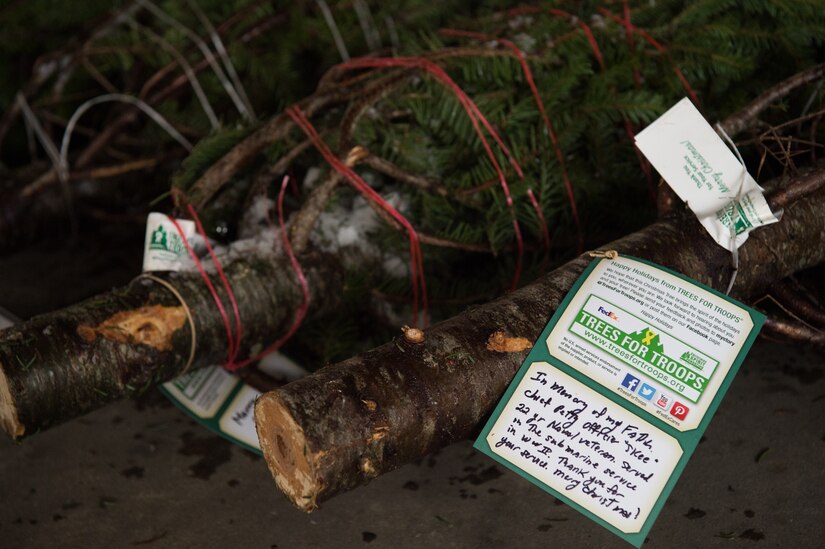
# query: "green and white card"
[[616, 393]]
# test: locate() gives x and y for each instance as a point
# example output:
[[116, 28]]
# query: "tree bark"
[[350, 422], [63, 364]]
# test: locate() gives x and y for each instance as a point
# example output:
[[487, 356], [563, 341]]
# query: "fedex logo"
[[608, 314]]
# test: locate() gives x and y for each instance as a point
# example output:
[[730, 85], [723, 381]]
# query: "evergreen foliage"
[[596, 92]]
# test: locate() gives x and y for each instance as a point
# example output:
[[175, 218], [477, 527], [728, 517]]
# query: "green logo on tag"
[[725, 216], [694, 360], [167, 242]]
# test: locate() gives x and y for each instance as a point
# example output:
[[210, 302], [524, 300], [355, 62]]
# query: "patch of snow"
[[312, 178], [347, 236], [520, 21], [256, 217], [396, 267], [525, 42]]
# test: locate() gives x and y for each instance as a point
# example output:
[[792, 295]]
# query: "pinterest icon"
[[679, 411]]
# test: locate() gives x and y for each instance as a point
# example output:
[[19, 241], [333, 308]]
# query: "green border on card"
[[213, 423], [688, 440]]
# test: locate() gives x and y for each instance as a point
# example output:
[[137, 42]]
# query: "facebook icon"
[[630, 382]]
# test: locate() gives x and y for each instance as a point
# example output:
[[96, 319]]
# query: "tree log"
[[60, 365], [350, 422]]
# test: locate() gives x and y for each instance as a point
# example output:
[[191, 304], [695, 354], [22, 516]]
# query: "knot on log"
[[413, 335], [153, 326], [500, 342]]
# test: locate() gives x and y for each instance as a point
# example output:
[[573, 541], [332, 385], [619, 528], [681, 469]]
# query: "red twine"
[[542, 223], [528, 75], [597, 53], [660, 48], [234, 340], [588, 33], [416, 258], [628, 127], [628, 31], [476, 118], [301, 312]]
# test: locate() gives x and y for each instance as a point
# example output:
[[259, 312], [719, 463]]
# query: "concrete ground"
[[141, 473]]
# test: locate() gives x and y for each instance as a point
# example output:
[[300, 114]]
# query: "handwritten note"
[[583, 445], [615, 395]]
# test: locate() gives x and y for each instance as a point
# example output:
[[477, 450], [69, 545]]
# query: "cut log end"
[[8, 411], [287, 452]]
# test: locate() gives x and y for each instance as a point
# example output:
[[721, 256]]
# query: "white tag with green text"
[[704, 173], [164, 250]]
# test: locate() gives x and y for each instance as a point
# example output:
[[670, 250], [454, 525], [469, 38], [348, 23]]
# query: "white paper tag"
[[222, 402], [704, 173], [163, 249]]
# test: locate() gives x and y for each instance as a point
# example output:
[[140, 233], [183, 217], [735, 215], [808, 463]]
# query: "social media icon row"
[[647, 392]]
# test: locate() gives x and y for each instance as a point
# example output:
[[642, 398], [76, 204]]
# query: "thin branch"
[[34, 124], [393, 32], [265, 176], [46, 66], [54, 156], [224, 55], [119, 169], [61, 121], [794, 331], [333, 29], [207, 53], [798, 305], [62, 167], [391, 170], [371, 34], [367, 98], [129, 116], [454, 244], [123, 98], [429, 239], [304, 220], [745, 117], [187, 70], [97, 76], [274, 129], [330, 78], [797, 188], [785, 309]]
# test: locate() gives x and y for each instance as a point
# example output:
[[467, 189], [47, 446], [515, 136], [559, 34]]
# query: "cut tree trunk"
[[350, 422], [60, 365]]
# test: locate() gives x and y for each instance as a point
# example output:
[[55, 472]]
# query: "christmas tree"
[[469, 150]]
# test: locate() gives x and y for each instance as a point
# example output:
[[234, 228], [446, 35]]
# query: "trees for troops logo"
[[165, 241]]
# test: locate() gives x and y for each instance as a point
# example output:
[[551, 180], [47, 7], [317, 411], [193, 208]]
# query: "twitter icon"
[[646, 391]]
